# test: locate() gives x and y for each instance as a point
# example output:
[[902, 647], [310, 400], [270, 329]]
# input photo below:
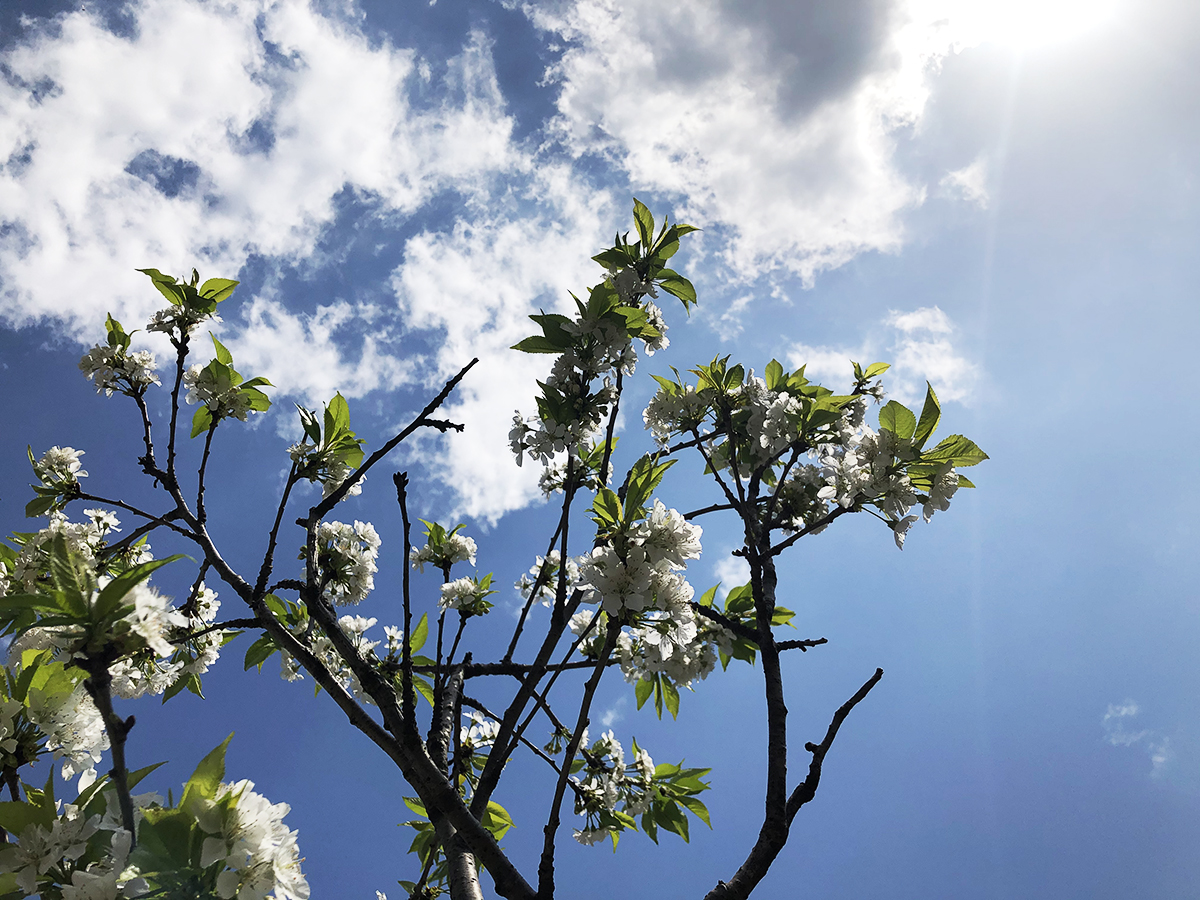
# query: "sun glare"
[[1027, 24]]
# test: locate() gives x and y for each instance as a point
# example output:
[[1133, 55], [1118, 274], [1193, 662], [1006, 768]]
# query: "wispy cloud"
[[969, 183], [1117, 731], [614, 713], [919, 344]]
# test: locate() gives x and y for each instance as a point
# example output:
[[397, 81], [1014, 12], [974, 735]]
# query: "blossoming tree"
[[786, 457]]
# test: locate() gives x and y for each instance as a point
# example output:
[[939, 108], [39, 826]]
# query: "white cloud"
[[298, 351], [918, 346], [235, 142], [731, 571], [475, 284], [614, 713], [706, 100], [970, 183], [924, 352]]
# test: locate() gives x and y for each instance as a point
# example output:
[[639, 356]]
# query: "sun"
[[1028, 24]]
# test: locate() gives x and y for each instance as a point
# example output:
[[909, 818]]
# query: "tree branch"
[[808, 787], [546, 866]]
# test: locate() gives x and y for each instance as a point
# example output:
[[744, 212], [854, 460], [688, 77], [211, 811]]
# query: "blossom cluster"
[[116, 369], [41, 856], [355, 628], [444, 550], [324, 466], [86, 540], [547, 580], [480, 732], [59, 466], [597, 345], [177, 321], [605, 783], [191, 644], [849, 462], [74, 730], [467, 595], [246, 833], [346, 557], [642, 574], [223, 400]]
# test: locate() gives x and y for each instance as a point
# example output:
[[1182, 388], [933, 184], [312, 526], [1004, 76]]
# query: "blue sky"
[[1001, 198]]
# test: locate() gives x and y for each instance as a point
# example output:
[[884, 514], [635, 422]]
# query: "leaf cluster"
[[228, 383]]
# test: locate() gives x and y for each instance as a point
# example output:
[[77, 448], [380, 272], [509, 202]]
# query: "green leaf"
[[931, 414], [16, 816], [644, 221], [190, 682], [643, 479], [202, 421], [217, 289], [642, 691], [166, 286], [782, 616], [259, 652], [39, 506], [113, 592], [709, 596], [424, 688], [874, 370], [419, 634], [207, 777], [496, 820], [698, 809], [223, 356], [681, 288], [70, 576], [310, 423], [337, 416], [774, 375], [957, 450], [536, 344], [671, 695], [606, 509], [670, 817], [898, 419]]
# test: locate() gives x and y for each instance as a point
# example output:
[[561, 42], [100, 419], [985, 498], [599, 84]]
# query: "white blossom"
[[203, 388], [259, 852], [59, 466], [453, 548], [346, 556], [116, 369]]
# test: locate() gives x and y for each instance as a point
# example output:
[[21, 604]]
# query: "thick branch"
[[99, 687]]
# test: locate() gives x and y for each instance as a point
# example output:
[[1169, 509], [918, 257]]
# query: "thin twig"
[[801, 645], [201, 514], [808, 787], [546, 865]]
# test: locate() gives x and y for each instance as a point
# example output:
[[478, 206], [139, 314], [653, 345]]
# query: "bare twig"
[[808, 787]]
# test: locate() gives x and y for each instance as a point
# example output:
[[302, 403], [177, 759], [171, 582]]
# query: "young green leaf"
[[898, 419], [931, 414]]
